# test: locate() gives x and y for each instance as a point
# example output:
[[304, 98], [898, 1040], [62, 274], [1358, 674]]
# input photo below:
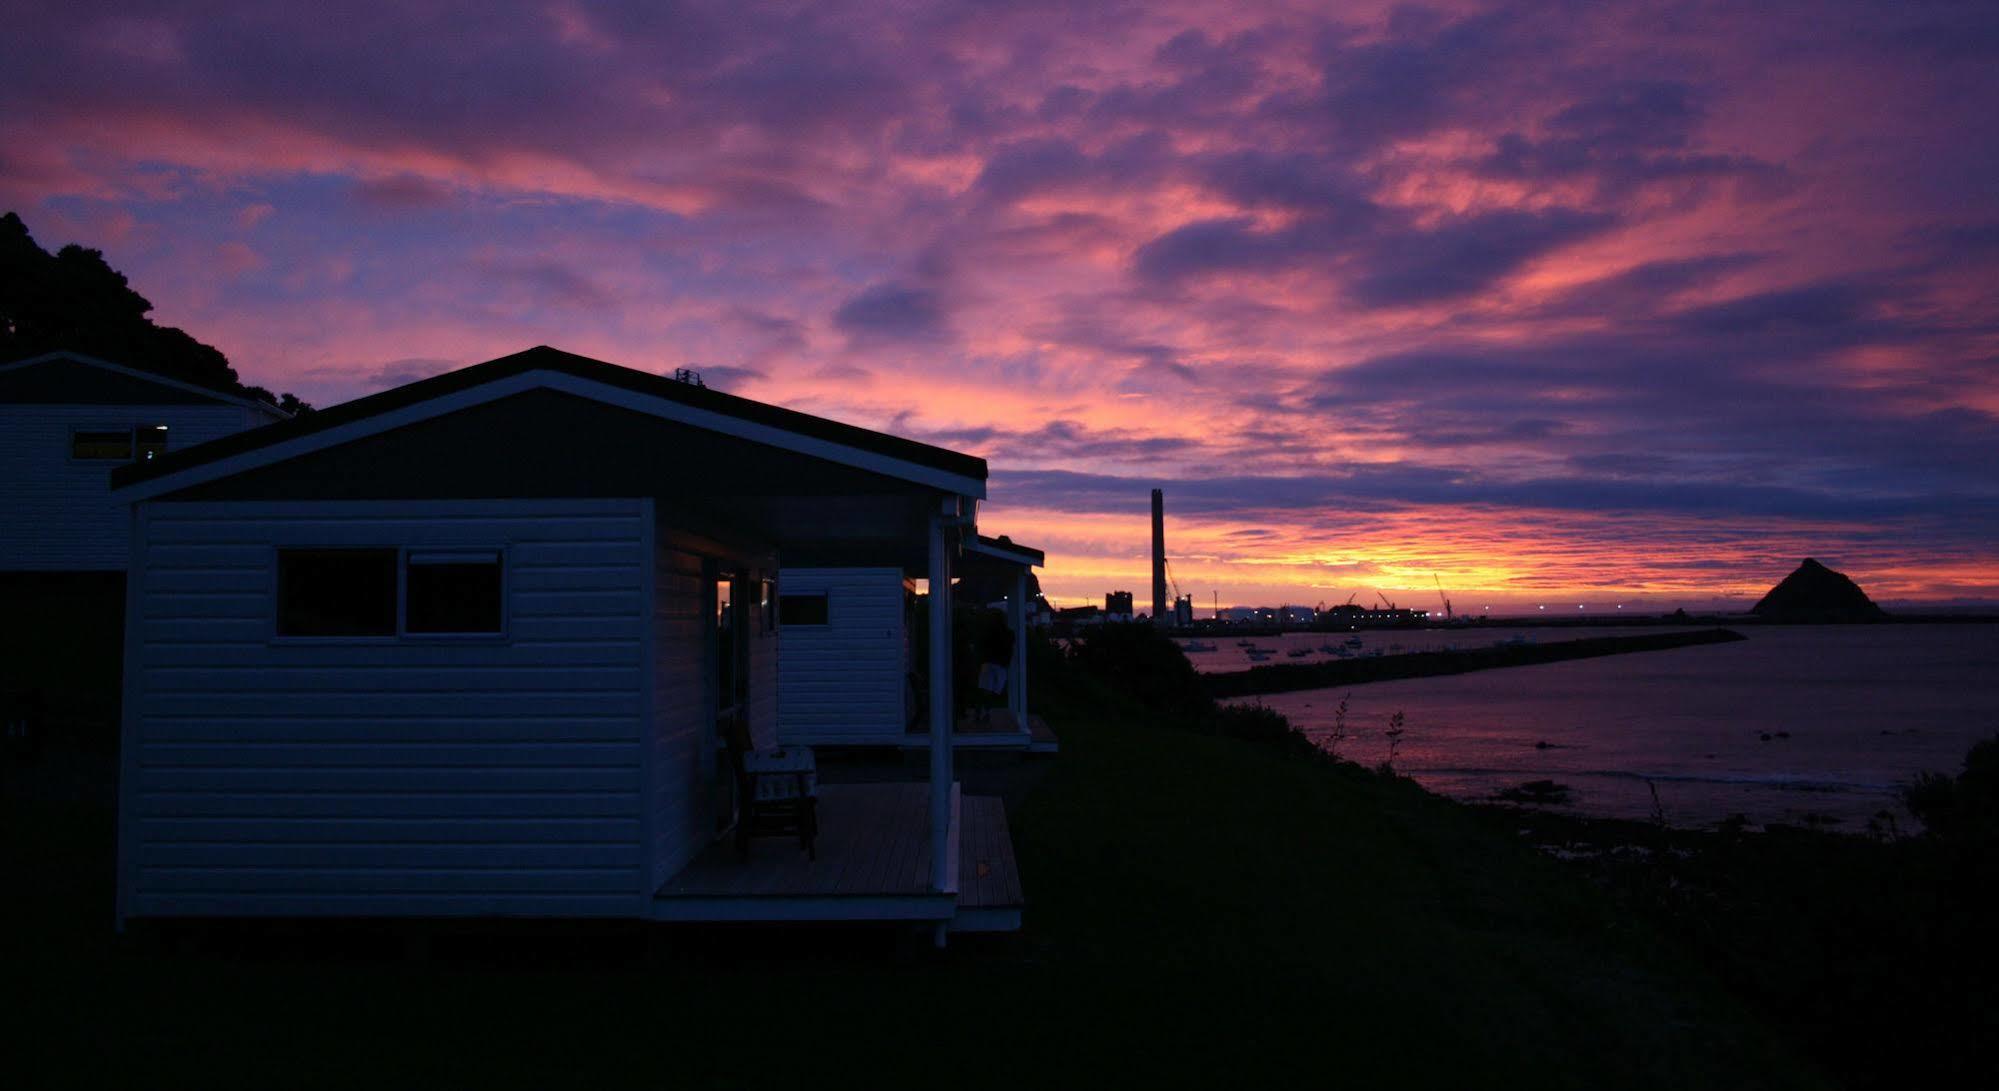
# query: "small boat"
[[1332, 649], [1258, 657], [1353, 642], [1245, 643], [1197, 646], [1299, 653]]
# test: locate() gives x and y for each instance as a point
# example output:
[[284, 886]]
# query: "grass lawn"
[[1201, 910]]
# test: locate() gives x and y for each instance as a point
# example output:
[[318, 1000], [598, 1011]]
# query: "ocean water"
[[1229, 656], [1851, 714]]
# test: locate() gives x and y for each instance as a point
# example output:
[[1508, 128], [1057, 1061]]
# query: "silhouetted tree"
[[1963, 810], [73, 300]]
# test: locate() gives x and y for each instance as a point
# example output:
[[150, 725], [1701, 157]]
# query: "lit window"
[[336, 592], [453, 593]]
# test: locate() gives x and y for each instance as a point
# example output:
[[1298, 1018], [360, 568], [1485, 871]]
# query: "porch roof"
[[1006, 549]]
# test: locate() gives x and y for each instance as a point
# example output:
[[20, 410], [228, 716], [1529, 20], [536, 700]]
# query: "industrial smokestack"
[[1160, 606]]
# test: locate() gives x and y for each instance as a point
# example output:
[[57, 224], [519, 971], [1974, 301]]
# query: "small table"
[[780, 795]]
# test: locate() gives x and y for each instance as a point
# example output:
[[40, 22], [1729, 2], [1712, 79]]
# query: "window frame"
[[131, 442], [499, 555], [402, 635], [825, 610]]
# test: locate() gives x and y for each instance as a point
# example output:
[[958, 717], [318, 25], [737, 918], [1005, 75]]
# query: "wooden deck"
[[874, 864], [989, 895]]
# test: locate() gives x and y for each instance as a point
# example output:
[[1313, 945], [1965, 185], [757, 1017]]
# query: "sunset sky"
[[1565, 304]]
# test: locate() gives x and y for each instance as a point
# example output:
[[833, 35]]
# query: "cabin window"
[[453, 593], [103, 444], [141, 441], [336, 592], [149, 441], [801, 609]]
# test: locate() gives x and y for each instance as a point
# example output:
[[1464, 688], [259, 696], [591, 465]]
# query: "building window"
[[453, 593], [105, 444], [149, 441], [801, 609], [336, 592], [141, 441]]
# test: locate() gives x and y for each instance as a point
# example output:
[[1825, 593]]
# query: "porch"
[[874, 864], [1000, 730]]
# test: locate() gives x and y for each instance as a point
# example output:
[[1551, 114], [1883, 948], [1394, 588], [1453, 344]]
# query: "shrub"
[[1963, 810], [1141, 663], [1253, 722]]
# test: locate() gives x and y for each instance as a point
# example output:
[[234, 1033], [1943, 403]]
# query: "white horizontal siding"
[[56, 513], [413, 777], [843, 682]]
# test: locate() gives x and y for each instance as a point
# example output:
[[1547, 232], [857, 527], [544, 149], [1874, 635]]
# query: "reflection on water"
[[1796, 721]]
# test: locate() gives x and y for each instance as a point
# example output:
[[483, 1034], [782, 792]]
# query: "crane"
[[1383, 599], [1442, 595]]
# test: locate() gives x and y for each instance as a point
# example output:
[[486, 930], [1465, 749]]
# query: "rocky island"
[[1815, 594]]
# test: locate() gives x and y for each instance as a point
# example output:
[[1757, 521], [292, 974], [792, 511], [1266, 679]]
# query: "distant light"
[[1540, 607], [1579, 605]]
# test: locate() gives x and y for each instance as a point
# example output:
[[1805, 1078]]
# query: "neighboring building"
[[1183, 611], [1079, 615], [1354, 616], [66, 421], [846, 675], [474, 647], [1117, 606], [1296, 615]]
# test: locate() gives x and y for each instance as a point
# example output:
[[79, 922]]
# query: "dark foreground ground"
[[1203, 910]]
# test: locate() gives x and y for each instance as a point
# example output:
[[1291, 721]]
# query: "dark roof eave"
[[1009, 550]]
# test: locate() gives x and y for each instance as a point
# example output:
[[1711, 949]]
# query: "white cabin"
[[468, 647], [66, 421]]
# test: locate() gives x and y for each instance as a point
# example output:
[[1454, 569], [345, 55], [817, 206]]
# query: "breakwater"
[[1285, 677]]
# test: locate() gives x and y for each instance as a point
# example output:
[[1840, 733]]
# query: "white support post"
[[1016, 680], [941, 708]]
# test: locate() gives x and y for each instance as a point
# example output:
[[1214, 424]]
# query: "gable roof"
[[543, 367], [33, 381]]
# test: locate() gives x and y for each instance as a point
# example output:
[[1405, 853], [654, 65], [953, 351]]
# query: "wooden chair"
[[777, 792]]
